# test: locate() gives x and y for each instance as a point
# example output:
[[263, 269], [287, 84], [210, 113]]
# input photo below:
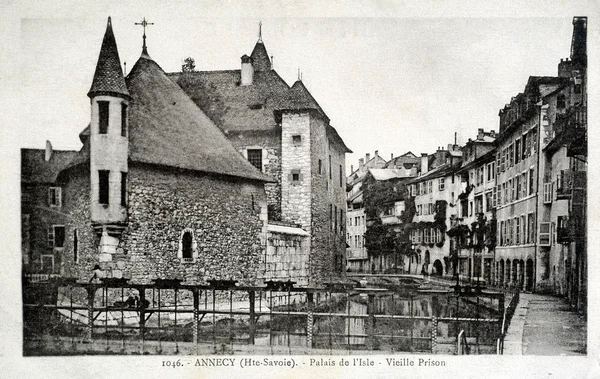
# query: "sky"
[[388, 84]]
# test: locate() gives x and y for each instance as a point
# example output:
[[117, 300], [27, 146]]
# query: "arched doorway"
[[438, 268], [500, 280], [426, 261], [508, 267], [515, 271], [529, 271]]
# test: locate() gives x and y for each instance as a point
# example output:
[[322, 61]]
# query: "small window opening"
[[103, 186], [103, 117]]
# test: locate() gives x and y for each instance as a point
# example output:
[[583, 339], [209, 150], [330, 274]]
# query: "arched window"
[[187, 252], [186, 241]]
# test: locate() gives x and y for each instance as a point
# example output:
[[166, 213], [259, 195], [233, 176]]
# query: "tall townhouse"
[[473, 229], [356, 225], [562, 207], [433, 194]]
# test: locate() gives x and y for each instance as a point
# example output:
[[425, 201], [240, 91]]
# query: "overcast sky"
[[391, 84]]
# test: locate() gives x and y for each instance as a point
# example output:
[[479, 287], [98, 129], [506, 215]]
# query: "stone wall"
[[227, 218], [40, 215], [287, 258], [296, 158], [328, 200], [270, 143]]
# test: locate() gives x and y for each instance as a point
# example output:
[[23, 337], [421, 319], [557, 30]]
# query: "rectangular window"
[[533, 140], [330, 170], [124, 120], [517, 151], [517, 230], [295, 177], [103, 117], [441, 184], [341, 221], [518, 192], [524, 142], [531, 228], [531, 181], [511, 155], [297, 139], [544, 234], [255, 158], [124, 189], [489, 201], [75, 247], [524, 184], [523, 230], [54, 196], [331, 216], [320, 167], [103, 186], [56, 236], [341, 177], [548, 193]]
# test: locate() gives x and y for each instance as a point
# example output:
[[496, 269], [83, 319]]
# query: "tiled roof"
[[260, 58], [167, 128], [233, 107], [108, 78], [35, 169]]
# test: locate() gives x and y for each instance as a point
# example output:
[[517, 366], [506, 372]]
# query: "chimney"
[[247, 70], [351, 168], [391, 156], [376, 153], [492, 133], [48, 154], [579, 42], [565, 68], [367, 157], [424, 163], [480, 133], [361, 163]]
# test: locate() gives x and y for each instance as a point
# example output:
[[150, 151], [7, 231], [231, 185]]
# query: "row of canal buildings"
[[507, 207]]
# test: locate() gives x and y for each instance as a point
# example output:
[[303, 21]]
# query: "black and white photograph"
[[214, 189]]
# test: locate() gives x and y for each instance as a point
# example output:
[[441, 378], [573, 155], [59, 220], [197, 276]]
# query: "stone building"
[[473, 230], [356, 253], [144, 197], [284, 133], [197, 175]]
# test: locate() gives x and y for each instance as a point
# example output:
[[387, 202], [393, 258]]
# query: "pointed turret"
[[260, 58], [108, 78]]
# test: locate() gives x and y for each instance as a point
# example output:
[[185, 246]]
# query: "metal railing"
[[116, 317]]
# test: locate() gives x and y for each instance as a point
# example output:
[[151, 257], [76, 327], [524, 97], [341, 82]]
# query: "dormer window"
[[103, 112]]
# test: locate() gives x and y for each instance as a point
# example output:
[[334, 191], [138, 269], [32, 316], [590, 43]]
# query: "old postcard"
[[281, 190]]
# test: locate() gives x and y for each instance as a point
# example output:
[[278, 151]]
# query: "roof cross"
[[144, 23], [260, 31]]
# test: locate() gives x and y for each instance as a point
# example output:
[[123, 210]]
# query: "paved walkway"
[[545, 325]]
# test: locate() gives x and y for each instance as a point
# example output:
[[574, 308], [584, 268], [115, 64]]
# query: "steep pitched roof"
[[233, 107], [108, 78], [35, 169], [300, 98], [260, 58], [167, 128]]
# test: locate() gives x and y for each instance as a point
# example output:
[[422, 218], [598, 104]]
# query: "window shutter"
[[544, 235]]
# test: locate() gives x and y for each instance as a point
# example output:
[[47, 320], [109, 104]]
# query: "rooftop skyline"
[[384, 83]]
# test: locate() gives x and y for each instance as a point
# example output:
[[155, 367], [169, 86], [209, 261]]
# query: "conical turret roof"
[[260, 58], [108, 78]]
